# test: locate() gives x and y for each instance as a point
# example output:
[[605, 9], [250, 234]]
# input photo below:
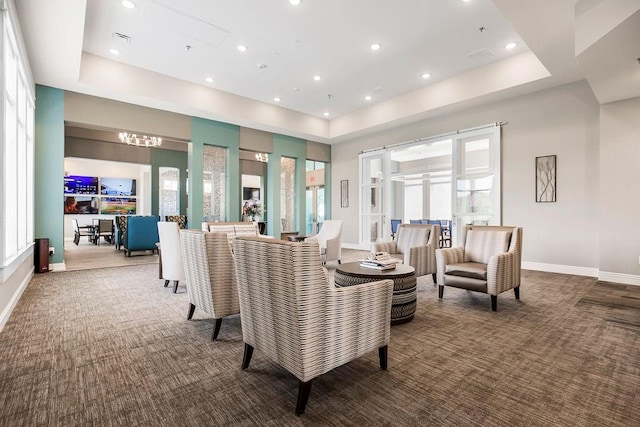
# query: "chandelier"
[[262, 157], [140, 141]]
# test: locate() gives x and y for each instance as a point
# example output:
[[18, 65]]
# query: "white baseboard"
[[558, 268], [4, 317], [625, 279], [354, 246], [59, 266]]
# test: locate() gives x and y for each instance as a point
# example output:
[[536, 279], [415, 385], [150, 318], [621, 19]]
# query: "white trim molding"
[[626, 279], [558, 268], [6, 313], [57, 267]]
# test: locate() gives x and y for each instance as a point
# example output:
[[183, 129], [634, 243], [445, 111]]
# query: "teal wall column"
[[168, 158], [286, 146], [209, 132], [49, 168]]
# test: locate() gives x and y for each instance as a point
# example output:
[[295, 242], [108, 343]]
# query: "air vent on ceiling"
[[121, 37], [480, 54]]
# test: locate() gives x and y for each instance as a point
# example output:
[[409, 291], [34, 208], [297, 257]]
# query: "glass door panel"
[[372, 198], [477, 183]]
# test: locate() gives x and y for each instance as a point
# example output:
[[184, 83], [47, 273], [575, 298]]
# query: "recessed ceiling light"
[[426, 75], [114, 51], [277, 99], [326, 114], [128, 4], [376, 46], [209, 79], [317, 78], [510, 45], [295, 2], [367, 98], [242, 48]]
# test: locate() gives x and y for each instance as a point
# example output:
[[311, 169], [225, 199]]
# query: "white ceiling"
[[330, 38], [68, 42]]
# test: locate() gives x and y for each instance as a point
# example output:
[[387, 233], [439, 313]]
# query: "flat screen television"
[[117, 186], [250, 193], [118, 206], [80, 205], [76, 184]]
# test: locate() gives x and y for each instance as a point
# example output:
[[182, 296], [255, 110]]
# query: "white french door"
[[476, 171], [372, 197]]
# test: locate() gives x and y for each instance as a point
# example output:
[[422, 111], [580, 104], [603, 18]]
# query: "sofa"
[[141, 234]]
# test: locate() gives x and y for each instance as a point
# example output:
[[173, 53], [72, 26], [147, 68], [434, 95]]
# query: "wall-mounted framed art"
[[546, 179], [344, 193]]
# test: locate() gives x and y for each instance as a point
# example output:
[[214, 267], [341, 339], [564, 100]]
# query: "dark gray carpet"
[[113, 347]]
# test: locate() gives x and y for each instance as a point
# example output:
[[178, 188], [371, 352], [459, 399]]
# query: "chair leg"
[[516, 291], [440, 291], [192, 308], [175, 286], [246, 358], [383, 356], [339, 261], [494, 302], [166, 283], [216, 329], [433, 276], [304, 390]]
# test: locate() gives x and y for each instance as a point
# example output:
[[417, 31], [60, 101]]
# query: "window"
[[16, 151]]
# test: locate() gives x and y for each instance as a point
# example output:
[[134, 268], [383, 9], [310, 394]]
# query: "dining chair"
[[104, 229], [79, 231]]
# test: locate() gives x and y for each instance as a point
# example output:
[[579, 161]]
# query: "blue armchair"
[[141, 234]]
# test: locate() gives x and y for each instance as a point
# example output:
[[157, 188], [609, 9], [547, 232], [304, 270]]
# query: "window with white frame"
[[16, 188]]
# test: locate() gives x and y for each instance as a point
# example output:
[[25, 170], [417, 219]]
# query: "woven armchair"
[[292, 314], [416, 244], [210, 275], [488, 262]]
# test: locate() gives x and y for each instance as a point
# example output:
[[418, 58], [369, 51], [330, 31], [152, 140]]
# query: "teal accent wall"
[[286, 146], [168, 158], [209, 132], [49, 168]]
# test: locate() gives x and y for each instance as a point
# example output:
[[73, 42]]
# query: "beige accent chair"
[[416, 245], [294, 316], [171, 253], [210, 275], [489, 262], [328, 238]]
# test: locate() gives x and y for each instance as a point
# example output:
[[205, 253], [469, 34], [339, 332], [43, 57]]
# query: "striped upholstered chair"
[[210, 275], [294, 316], [415, 244], [488, 262]]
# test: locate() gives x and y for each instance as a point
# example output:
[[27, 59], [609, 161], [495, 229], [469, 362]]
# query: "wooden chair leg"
[[383, 356], [166, 283], [440, 291], [304, 390], [175, 286], [516, 291], [494, 302], [433, 276], [246, 358], [216, 329], [192, 308]]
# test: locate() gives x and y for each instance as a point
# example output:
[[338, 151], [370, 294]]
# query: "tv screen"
[[76, 184], [118, 186], [118, 206], [250, 193], [80, 205]]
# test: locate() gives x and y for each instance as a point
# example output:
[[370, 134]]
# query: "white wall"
[[101, 168], [619, 199], [561, 121]]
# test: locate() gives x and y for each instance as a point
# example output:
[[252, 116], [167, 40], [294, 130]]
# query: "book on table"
[[378, 266]]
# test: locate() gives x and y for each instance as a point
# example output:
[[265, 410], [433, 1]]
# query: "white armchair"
[[416, 244], [294, 316], [171, 253], [329, 240], [489, 262]]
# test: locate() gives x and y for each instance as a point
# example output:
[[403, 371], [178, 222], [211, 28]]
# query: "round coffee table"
[[403, 303]]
